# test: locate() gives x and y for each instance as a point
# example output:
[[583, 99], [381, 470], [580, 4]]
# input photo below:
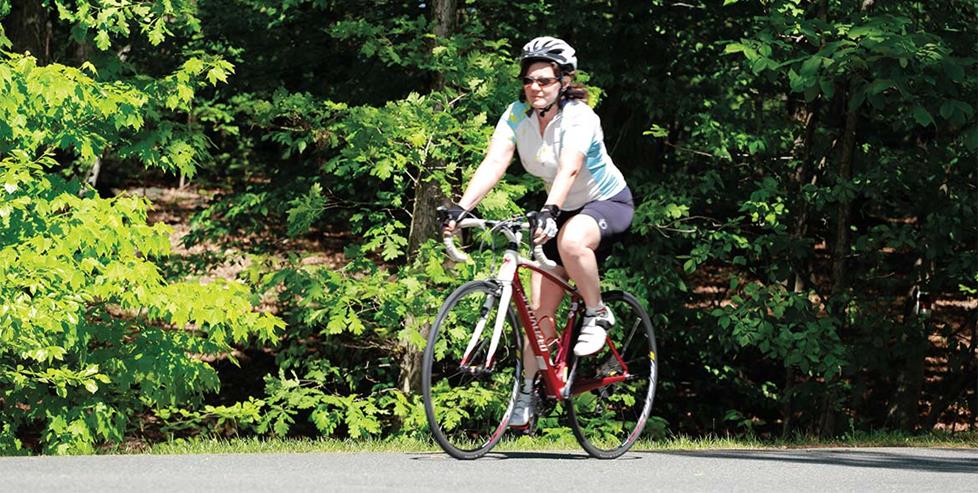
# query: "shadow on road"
[[520, 455], [555, 455], [907, 460]]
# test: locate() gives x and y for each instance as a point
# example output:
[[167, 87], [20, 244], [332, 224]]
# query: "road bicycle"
[[473, 360]]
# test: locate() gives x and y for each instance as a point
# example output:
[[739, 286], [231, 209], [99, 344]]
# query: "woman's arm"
[[567, 170], [489, 172]]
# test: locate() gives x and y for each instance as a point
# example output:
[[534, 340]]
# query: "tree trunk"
[[427, 197], [952, 392], [28, 28], [974, 357], [904, 410], [840, 251], [839, 297], [787, 403], [190, 124], [906, 405], [806, 173], [954, 386], [92, 178]]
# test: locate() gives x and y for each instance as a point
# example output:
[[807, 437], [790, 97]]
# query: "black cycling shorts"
[[613, 216]]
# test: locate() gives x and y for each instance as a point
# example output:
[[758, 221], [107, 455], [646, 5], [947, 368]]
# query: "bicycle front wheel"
[[468, 398], [614, 388]]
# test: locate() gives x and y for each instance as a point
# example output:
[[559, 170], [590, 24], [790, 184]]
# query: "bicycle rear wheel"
[[468, 405], [608, 416]]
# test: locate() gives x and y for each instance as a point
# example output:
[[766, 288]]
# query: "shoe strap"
[[601, 310]]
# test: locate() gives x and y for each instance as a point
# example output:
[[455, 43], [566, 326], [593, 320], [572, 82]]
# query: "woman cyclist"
[[559, 140]]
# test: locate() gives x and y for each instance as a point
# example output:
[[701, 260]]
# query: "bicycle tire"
[[609, 419], [469, 412]]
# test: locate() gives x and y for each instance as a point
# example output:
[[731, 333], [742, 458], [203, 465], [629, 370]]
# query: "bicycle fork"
[[505, 279]]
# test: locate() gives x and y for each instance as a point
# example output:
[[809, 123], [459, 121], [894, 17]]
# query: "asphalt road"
[[821, 470]]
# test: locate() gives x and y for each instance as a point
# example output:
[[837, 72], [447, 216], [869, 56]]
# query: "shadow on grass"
[[906, 460]]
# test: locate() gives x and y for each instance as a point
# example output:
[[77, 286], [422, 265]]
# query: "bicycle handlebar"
[[453, 252], [542, 257], [457, 255]]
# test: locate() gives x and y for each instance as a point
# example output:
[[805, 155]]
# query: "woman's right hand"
[[450, 216], [545, 224]]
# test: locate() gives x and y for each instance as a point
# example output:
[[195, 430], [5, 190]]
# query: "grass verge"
[[512, 444]]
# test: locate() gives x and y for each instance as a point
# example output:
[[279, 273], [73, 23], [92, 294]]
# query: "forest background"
[[805, 235]]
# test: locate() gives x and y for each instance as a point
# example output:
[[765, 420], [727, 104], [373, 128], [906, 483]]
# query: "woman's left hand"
[[546, 226]]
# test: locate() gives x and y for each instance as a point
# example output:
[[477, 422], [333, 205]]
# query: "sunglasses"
[[540, 81]]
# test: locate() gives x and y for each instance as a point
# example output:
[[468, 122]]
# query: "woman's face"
[[543, 88]]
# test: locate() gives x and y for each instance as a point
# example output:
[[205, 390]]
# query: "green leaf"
[[657, 131], [102, 40], [193, 65], [971, 138], [734, 48], [953, 69], [216, 74], [922, 116], [879, 85], [810, 67], [88, 67]]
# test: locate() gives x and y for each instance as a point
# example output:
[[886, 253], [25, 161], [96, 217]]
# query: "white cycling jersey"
[[575, 128]]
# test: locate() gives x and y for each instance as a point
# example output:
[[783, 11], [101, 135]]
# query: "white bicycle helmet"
[[551, 49]]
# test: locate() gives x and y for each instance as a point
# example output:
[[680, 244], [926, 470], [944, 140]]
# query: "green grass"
[[512, 444], [255, 445], [860, 439]]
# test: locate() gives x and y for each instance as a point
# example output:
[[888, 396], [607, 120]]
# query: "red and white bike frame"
[[555, 368]]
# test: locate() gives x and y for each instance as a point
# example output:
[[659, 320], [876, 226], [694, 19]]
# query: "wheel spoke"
[[624, 347], [466, 406], [604, 420]]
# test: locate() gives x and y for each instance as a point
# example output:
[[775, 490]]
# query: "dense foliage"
[[806, 232], [92, 337]]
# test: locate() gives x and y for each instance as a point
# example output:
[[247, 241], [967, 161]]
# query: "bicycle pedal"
[[608, 368], [527, 429]]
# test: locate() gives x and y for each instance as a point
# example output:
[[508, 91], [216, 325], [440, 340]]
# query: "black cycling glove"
[[546, 220], [451, 213]]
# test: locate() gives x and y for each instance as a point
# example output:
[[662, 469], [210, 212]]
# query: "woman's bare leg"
[[545, 296], [577, 241]]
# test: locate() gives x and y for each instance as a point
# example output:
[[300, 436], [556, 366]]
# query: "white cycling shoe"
[[594, 331], [522, 410]]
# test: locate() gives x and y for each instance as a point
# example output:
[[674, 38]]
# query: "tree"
[[428, 196], [91, 334], [804, 175]]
